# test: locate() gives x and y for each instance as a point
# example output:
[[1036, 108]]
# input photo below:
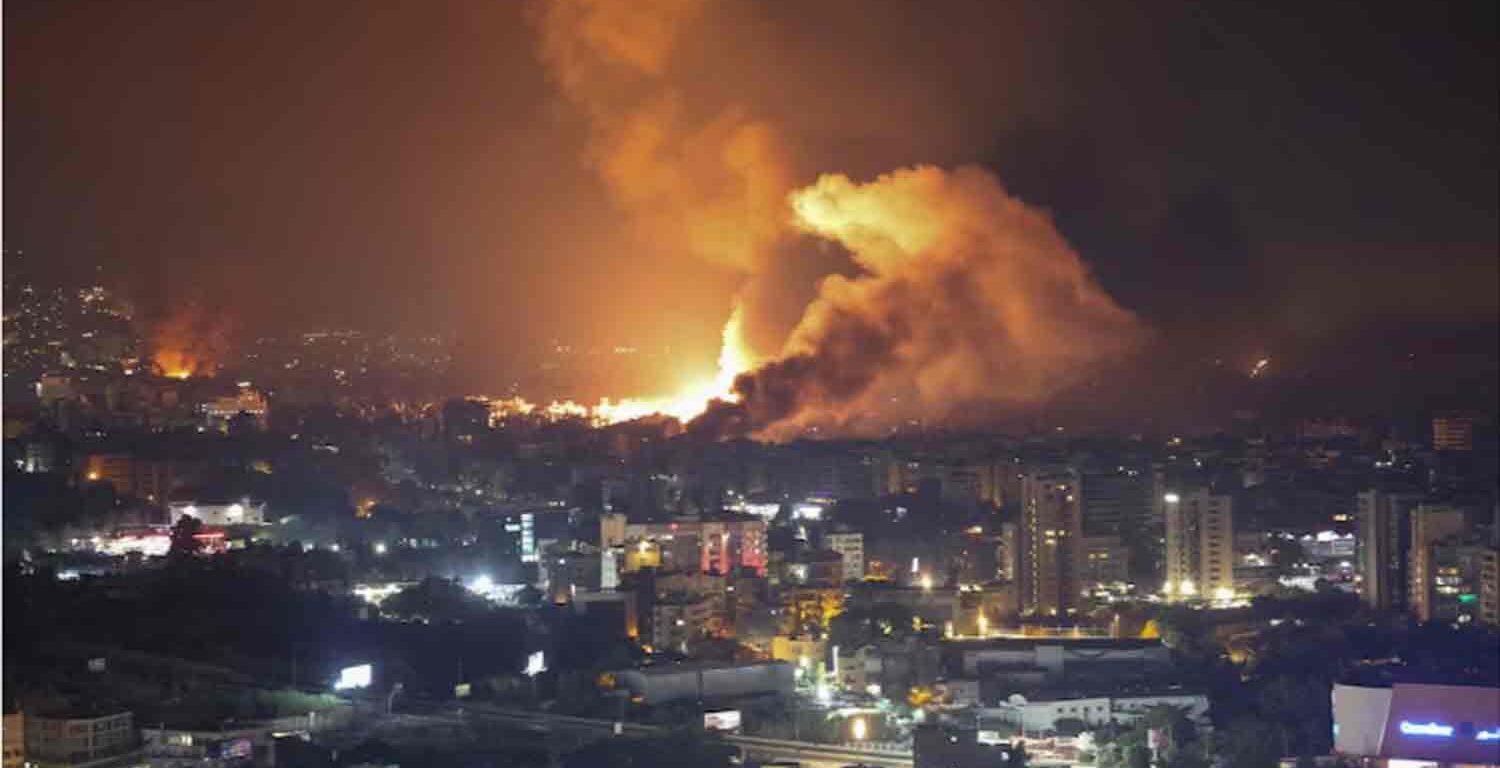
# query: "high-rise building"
[[1051, 543], [688, 544], [1200, 545], [1114, 502], [1008, 552], [851, 546], [1453, 433], [1106, 560], [1431, 525], [1383, 522], [1489, 587]]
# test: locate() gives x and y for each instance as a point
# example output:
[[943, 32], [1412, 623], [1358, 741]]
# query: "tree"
[[1249, 743], [862, 625], [185, 541], [435, 599]]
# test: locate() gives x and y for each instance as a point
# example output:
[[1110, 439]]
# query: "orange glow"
[[189, 342], [690, 401], [177, 364]]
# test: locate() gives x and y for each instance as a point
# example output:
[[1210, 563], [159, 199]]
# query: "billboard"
[[1437, 723], [536, 664], [358, 676], [724, 720]]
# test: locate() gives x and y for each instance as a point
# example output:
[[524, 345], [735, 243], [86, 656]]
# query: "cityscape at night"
[[708, 383]]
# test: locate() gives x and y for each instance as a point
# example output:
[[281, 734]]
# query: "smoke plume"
[[969, 301], [962, 297], [706, 177], [189, 341]]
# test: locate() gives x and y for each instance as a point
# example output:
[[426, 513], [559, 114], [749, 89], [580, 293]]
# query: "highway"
[[580, 729]]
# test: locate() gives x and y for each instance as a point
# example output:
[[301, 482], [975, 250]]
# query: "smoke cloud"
[[711, 179], [189, 341], [954, 295], [969, 301]]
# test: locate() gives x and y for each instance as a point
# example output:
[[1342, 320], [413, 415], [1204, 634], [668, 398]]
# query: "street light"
[[858, 729]]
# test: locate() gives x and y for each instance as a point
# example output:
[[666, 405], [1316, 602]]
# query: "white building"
[[219, 411], [850, 546], [1041, 714], [1200, 546], [243, 512]]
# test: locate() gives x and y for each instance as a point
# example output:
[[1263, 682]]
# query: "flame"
[[176, 364], [189, 342], [686, 404]]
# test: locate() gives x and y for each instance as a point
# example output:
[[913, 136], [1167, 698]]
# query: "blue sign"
[[1426, 729], [1445, 731]]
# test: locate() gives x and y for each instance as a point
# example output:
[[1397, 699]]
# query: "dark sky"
[[1242, 177]]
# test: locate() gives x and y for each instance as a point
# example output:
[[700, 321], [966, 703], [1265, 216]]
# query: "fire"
[[689, 402], [189, 341], [176, 364]]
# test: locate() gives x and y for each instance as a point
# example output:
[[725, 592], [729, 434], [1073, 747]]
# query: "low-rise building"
[[1056, 656], [1042, 713], [242, 512], [79, 739]]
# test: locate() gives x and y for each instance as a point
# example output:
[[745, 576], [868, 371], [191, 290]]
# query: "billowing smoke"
[[706, 177], [962, 298], [969, 301], [189, 341]]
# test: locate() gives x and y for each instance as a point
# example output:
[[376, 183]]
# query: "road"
[[580, 729]]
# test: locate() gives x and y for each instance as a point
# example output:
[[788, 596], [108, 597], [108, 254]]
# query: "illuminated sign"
[[536, 664], [726, 720], [1426, 729], [1445, 731], [354, 677]]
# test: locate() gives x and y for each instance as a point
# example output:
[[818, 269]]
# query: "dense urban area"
[[294, 553], [749, 384]]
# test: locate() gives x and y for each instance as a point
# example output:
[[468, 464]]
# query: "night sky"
[[1246, 180]]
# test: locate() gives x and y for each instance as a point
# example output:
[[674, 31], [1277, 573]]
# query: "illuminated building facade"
[[851, 547], [248, 401], [1431, 526], [1051, 544], [1200, 546], [687, 544], [243, 512], [1453, 433]]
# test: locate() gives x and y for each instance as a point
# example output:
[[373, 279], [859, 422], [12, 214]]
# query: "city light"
[[536, 664], [1426, 729], [858, 729], [351, 678], [380, 548]]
